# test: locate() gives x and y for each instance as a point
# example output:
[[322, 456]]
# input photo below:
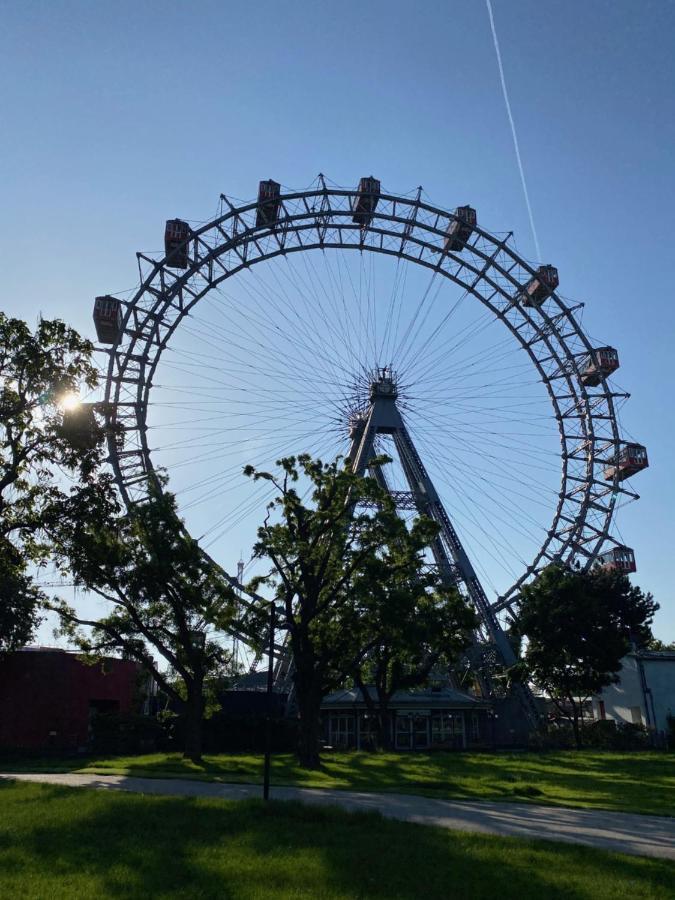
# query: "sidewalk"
[[620, 832]]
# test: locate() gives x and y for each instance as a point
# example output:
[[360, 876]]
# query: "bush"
[[670, 732], [125, 733], [605, 734], [609, 735]]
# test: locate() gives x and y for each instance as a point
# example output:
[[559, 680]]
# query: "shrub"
[[609, 735], [118, 733]]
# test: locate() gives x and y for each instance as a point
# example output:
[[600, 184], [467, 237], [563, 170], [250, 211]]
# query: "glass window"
[[342, 730], [367, 731], [403, 731]]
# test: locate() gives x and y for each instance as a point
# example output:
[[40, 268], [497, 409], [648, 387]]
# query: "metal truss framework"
[[406, 227], [451, 560]]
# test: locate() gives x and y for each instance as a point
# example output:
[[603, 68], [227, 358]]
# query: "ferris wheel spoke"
[[267, 343]]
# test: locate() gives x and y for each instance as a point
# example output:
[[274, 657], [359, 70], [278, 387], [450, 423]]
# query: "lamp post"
[[268, 720]]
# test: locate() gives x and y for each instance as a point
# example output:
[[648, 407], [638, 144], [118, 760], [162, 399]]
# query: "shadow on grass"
[[633, 782], [95, 843]]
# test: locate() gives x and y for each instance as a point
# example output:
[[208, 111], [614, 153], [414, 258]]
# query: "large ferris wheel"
[[355, 321]]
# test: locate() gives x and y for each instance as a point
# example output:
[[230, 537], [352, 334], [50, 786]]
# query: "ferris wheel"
[[357, 321]]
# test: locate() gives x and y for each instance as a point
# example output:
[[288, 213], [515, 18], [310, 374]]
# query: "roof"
[[653, 655], [441, 698]]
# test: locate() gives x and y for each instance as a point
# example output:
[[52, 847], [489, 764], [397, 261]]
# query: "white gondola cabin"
[[618, 559], [80, 427], [107, 319], [365, 201], [460, 228], [539, 287], [176, 237], [268, 203], [630, 459], [598, 364]]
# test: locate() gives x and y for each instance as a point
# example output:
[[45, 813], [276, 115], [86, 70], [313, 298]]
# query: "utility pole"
[[268, 718]]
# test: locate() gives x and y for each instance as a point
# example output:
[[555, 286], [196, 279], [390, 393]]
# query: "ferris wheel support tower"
[[384, 417]]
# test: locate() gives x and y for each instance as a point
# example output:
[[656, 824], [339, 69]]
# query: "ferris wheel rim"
[[539, 326]]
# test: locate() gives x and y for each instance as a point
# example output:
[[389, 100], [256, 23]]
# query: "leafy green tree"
[[656, 644], [328, 555], [39, 466], [411, 623], [579, 626], [164, 596], [20, 599]]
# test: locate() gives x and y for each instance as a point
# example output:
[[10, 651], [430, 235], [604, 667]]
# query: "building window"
[[341, 731], [601, 710], [447, 730], [403, 735], [367, 732], [475, 727]]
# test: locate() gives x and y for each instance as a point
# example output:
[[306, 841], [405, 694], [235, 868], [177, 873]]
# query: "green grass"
[[71, 843], [632, 782]]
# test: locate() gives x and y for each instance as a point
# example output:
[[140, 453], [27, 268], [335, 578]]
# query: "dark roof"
[[424, 697]]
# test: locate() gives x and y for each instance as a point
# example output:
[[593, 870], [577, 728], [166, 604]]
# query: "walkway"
[[621, 832]]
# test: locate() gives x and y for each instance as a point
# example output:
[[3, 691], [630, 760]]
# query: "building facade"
[[644, 694], [435, 718], [48, 697]]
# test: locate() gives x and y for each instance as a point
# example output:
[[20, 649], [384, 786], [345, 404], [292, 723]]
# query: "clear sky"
[[114, 117]]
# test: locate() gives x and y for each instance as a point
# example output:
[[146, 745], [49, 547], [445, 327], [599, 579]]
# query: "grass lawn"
[[632, 782], [70, 843]]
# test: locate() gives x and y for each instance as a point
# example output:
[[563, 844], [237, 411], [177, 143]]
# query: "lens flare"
[[69, 401]]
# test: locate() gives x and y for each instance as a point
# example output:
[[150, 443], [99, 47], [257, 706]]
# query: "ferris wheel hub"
[[383, 384]]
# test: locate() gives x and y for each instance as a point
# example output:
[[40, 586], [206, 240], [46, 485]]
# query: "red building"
[[48, 697]]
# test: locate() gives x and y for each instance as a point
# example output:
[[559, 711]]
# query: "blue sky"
[[118, 116]]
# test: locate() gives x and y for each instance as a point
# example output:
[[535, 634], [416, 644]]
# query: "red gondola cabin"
[[268, 203], [176, 237], [598, 364], [365, 201], [618, 559], [540, 286], [630, 459], [460, 228], [107, 319]]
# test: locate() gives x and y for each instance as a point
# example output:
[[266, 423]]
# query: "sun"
[[69, 401]]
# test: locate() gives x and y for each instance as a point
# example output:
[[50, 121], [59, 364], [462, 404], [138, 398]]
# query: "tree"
[[20, 599], [579, 626], [657, 644], [164, 595], [327, 556], [411, 623], [37, 370]]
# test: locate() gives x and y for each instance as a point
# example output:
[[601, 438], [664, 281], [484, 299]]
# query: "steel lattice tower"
[[383, 417]]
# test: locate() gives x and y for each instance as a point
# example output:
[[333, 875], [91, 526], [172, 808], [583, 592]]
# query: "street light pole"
[[268, 722]]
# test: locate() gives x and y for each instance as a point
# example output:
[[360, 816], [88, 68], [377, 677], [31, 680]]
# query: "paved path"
[[622, 832]]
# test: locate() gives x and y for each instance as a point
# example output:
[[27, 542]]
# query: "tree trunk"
[[384, 726], [575, 726], [194, 714], [309, 727]]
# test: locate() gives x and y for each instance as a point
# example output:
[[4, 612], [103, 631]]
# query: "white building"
[[645, 693]]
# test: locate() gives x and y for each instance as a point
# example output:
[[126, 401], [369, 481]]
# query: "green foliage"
[[164, 594], [608, 735], [335, 561], [19, 599], [579, 626], [408, 622], [126, 733], [36, 370]]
